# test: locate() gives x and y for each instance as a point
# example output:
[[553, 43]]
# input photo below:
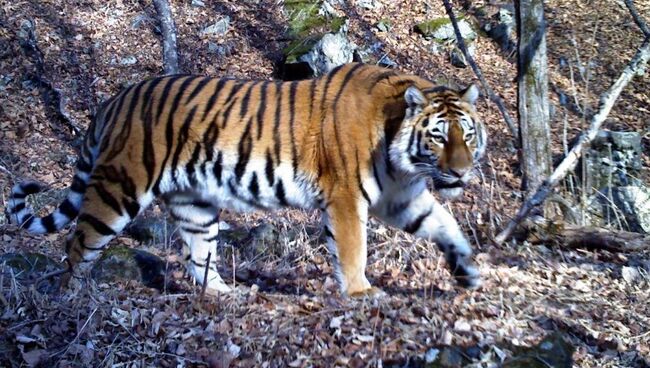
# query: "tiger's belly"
[[257, 187]]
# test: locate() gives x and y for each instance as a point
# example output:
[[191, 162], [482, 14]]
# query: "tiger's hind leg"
[[107, 208], [415, 210], [198, 224]]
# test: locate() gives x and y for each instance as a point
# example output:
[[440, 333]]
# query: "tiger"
[[359, 141]]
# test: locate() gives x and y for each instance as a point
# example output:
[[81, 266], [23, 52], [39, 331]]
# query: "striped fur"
[[359, 141]]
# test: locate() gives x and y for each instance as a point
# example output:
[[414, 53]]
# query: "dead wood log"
[[493, 96], [607, 100], [572, 236], [168, 31]]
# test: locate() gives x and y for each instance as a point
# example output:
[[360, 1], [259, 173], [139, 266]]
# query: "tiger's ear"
[[469, 94], [414, 97]]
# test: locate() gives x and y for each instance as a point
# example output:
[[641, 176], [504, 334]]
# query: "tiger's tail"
[[19, 213]]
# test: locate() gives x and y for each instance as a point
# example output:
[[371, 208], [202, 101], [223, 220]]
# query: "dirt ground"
[[287, 311]]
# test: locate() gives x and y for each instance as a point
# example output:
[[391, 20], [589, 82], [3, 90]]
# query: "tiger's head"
[[441, 137]]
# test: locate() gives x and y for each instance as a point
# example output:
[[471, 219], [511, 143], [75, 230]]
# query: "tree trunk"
[[168, 30], [532, 71]]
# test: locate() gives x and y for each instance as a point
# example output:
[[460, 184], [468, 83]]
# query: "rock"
[[384, 25], [152, 230], [219, 28], [630, 274], [332, 50], [614, 159], [123, 263], [129, 60], [198, 4], [221, 50], [623, 207], [368, 4], [442, 30], [28, 267], [553, 351], [457, 58], [501, 28], [310, 22]]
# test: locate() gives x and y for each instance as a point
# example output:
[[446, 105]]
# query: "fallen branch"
[[52, 97], [607, 100], [637, 18], [493, 96], [597, 238], [168, 30]]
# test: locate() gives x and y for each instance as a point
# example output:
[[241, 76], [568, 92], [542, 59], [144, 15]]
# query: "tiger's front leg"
[[345, 221], [415, 210]]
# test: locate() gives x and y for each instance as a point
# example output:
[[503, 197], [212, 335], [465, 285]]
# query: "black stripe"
[[243, 108], [269, 169], [261, 109], [30, 188], [195, 203], [169, 132], [183, 136], [280, 193], [414, 226], [146, 96], [211, 239], [378, 78], [277, 143], [110, 123], [411, 138], [97, 224], [78, 185], [68, 209], [19, 195], [337, 133], [328, 233], [194, 231], [217, 168], [209, 139], [359, 183], [214, 221], [121, 139], [19, 207], [244, 151], [213, 98], [394, 209], [312, 93], [132, 207], [84, 166], [292, 107], [28, 222], [148, 157], [108, 198], [230, 102], [254, 187], [375, 173], [197, 89], [162, 103], [190, 168]]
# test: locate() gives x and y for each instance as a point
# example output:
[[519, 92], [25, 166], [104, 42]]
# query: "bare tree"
[[168, 30], [532, 88]]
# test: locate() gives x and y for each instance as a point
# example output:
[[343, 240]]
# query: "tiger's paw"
[[372, 293], [468, 277]]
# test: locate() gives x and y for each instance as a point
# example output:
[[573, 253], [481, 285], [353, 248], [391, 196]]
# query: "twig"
[[493, 97], [205, 277], [52, 97], [637, 18], [607, 100], [168, 30]]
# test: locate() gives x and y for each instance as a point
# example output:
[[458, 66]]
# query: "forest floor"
[[286, 310]]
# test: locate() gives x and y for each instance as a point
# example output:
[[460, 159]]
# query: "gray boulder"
[[332, 50], [625, 207], [614, 159], [124, 263]]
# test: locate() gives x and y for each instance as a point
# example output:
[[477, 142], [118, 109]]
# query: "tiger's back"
[[206, 143]]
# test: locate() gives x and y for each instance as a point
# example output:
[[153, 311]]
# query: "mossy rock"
[[124, 263], [554, 351], [27, 267], [307, 26], [442, 30]]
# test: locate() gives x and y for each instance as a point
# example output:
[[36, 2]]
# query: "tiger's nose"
[[459, 172]]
